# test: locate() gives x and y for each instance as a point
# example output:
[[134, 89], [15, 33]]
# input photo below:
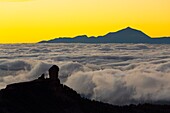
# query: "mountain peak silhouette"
[[126, 35], [130, 31], [129, 28]]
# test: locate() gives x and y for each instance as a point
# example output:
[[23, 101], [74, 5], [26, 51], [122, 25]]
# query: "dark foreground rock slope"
[[49, 96]]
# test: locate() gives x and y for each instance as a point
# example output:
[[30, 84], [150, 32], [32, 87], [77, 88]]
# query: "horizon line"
[[5, 43]]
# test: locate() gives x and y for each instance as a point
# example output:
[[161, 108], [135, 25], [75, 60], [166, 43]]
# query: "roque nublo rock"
[[49, 96]]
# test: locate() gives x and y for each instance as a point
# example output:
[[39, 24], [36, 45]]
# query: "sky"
[[30, 21]]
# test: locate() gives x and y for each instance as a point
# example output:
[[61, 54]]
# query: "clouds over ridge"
[[112, 73]]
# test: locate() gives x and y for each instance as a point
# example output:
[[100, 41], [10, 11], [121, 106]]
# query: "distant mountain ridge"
[[127, 35]]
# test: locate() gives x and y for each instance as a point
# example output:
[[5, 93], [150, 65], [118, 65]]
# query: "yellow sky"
[[27, 21]]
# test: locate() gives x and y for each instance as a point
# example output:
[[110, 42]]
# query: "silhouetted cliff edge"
[[49, 96]]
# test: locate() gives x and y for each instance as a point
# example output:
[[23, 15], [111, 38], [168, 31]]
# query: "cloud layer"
[[112, 73]]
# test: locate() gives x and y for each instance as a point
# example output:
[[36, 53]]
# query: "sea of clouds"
[[118, 74]]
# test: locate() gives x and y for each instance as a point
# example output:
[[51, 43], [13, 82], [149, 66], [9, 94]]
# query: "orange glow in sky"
[[29, 21]]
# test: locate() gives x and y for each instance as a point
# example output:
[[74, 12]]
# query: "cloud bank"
[[118, 74]]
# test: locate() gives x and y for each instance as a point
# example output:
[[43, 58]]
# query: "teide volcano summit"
[[47, 95], [127, 35]]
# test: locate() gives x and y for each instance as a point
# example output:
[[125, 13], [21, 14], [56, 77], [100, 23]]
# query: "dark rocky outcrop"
[[49, 96], [53, 73]]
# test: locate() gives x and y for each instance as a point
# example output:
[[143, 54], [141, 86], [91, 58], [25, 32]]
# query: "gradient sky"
[[27, 21]]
